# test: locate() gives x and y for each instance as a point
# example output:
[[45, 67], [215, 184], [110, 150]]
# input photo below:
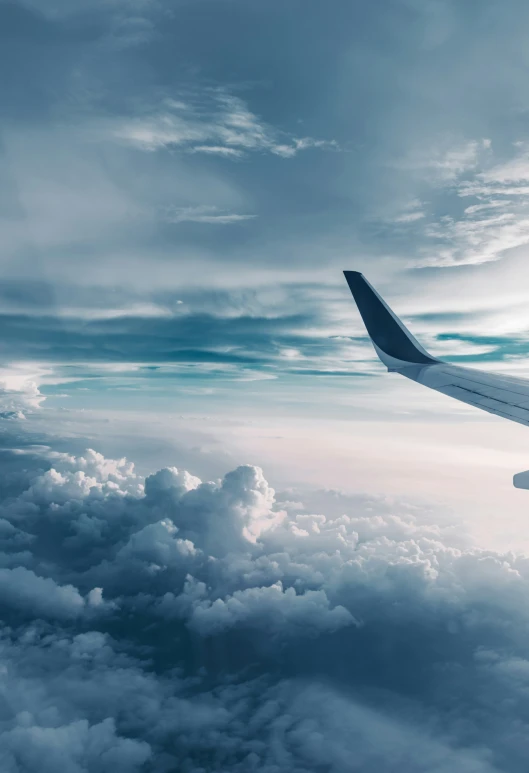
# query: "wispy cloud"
[[409, 217], [218, 150], [494, 217], [410, 213], [447, 162], [215, 123], [473, 239], [496, 223], [287, 151], [125, 22], [205, 214]]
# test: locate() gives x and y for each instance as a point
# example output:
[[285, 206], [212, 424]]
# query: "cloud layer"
[[168, 623]]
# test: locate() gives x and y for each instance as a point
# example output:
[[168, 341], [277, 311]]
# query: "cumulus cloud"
[[19, 391], [276, 611], [22, 590], [72, 748], [171, 623]]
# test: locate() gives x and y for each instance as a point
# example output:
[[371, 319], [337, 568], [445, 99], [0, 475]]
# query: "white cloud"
[[74, 478], [497, 223], [409, 217], [287, 151], [218, 150], [218, 124], [494, 204], [454, 162], [407, 212], [205, 214], [451, 347], [515, 170], [474, 240], [445, 162], [19, 391]]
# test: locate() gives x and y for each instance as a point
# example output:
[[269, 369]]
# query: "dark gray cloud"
[[165, 623]]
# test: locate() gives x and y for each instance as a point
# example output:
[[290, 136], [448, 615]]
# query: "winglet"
[[393, 342]]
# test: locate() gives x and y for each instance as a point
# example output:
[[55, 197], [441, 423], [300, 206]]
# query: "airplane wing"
[[504, 396]]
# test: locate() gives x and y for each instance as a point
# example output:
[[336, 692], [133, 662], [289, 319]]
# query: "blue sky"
[[229, 540]]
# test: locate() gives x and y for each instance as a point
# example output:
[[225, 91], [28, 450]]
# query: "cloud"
[[485, 203], [274, 610], [409, 217], [446, 162], [498, 221], [205, 214], [217, 517], [176, 623], [215, 123], [410, 213], [126, 22], [245, 334], [19, 391], [22, 590], [218, 150], [76, 747], [156, 545]]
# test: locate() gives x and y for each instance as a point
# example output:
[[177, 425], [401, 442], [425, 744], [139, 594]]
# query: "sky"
[[229, 540]]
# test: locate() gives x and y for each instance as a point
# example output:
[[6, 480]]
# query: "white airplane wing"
[[504, 396]]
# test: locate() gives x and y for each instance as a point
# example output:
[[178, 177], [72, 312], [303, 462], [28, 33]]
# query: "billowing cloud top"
[[170, 624]]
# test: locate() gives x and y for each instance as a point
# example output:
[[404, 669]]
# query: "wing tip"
[[354, 279], [393, 342], [348, 272]]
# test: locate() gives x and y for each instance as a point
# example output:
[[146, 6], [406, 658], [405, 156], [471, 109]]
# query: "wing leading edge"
[[503, 396]]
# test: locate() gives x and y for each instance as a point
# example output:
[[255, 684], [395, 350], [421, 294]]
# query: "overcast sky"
[[182, 183]]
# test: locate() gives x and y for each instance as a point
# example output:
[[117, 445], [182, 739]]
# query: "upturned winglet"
[[393, 342]]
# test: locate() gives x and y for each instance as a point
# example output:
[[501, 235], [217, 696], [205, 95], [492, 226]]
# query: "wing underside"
[[501, 395]]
